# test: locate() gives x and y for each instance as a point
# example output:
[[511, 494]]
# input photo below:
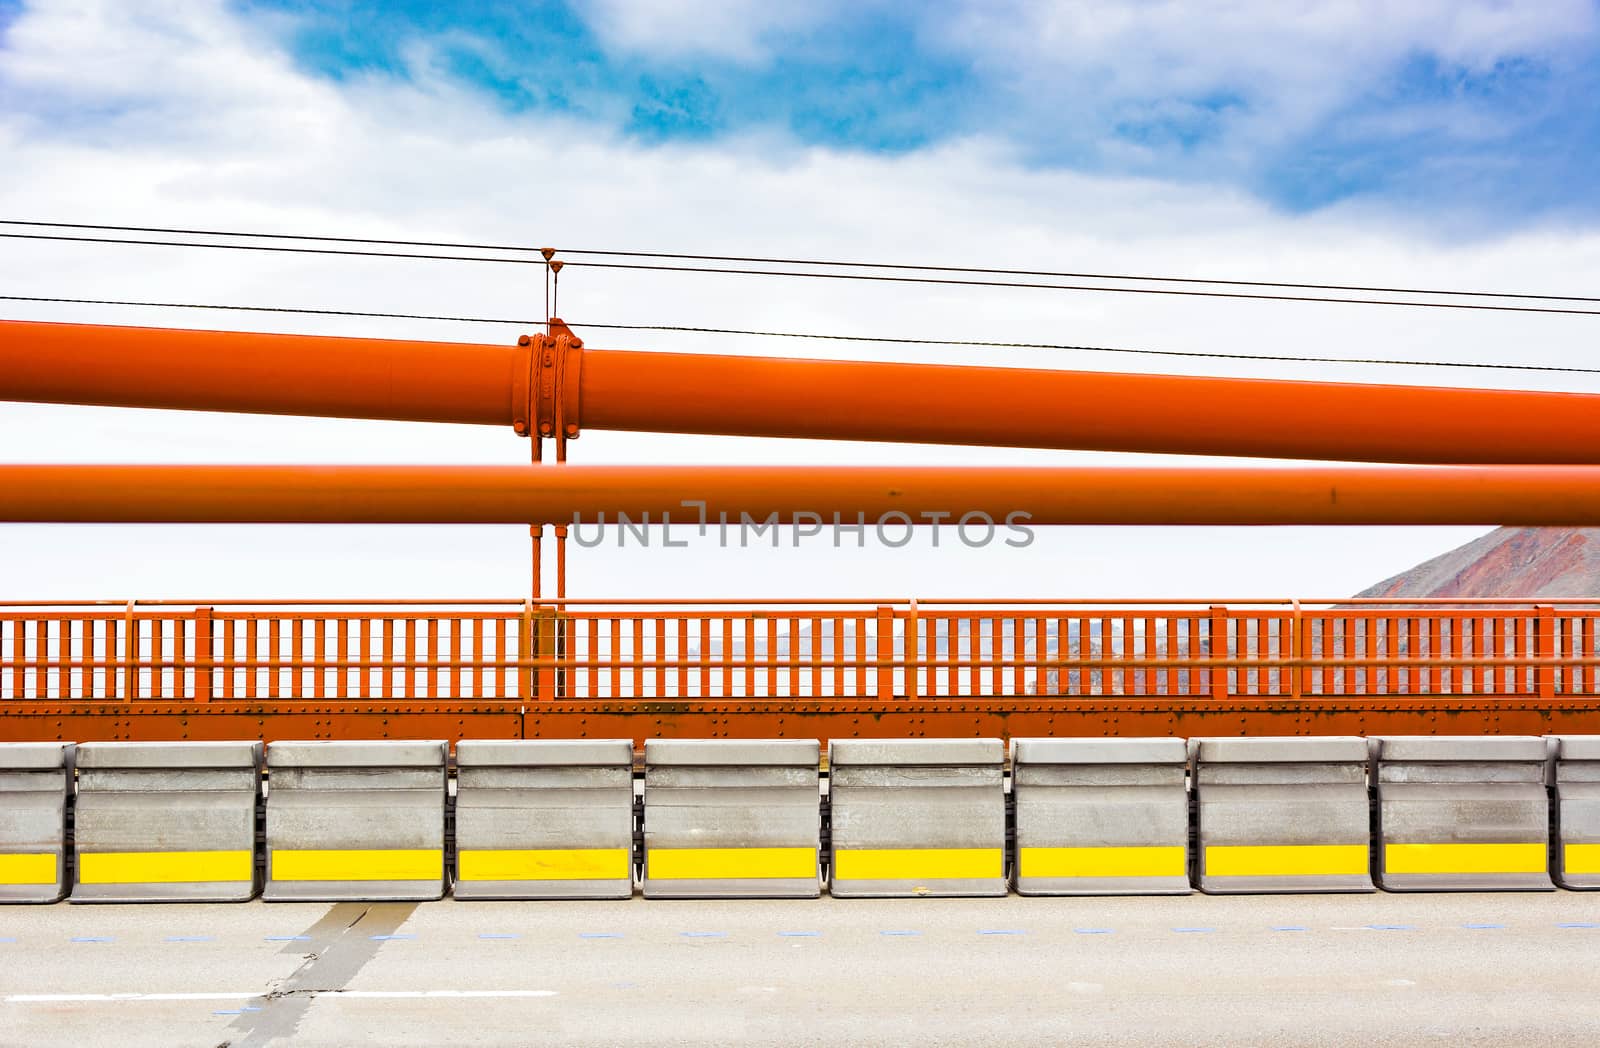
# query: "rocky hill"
[[1507, 562]]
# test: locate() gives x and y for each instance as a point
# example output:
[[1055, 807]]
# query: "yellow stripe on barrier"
[[553, 864], [1465, 858], [1166, 861], [385, 864], [685, 864], [1286, 860], [1580, 858], [33, 868], [176, 867], [917, 864]]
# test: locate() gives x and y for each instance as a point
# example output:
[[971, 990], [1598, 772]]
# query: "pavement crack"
[[299, 991], [338, 953]]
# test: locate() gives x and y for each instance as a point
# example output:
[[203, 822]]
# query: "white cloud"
[[1276, 67], [272, 149], [1127, 77]]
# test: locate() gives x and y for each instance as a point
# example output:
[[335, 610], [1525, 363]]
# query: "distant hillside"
[[1507, 562]]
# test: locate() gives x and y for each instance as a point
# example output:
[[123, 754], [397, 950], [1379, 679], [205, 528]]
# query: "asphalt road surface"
[[1271, 971]]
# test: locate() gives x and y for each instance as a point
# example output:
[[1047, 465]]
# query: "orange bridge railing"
[[801, 650]]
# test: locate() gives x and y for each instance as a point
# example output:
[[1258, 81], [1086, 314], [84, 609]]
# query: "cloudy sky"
[[1439, 143]]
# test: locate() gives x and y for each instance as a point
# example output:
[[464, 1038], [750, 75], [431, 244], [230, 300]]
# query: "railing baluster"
[[749, 675], [341, 678], [680, 653], [387, 680], [771, 664], [297, 644], [158, 655], [452, 675], [1544, 620], [1018, 670], [431, 688], [591, 665], [203, 654], [1589, 653], [503, 669], [18, 676]]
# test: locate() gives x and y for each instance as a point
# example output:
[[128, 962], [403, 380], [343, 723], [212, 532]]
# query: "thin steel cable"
[[1065, 274], [269, 309], [873, 277], [835, 263], [876, 339], [1190, 293], [270, 236], [273, 247], [1201, 354]]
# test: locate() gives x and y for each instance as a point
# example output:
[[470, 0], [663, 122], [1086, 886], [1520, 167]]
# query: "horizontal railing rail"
[[638, 650]]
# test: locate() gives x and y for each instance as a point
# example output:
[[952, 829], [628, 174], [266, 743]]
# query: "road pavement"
[[1506, 969]]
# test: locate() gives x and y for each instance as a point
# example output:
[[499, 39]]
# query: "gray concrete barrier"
[[164, 821], [35, 778], [1462, 813], [732, 818], [544, 819], [355, 820], [1575, 776], [916, 817], [1282, 815], [1101, 816]]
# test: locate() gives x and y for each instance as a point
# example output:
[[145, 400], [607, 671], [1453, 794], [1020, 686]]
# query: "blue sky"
[[861, 83], [1466, 106]]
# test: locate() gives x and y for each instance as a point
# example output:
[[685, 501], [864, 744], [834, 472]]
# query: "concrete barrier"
[[1101, 816], [355, 820], [35, 779], [163, 821], [1282, 815], [914, 817], [731, 818], [544, 819], [1459, 813], [1575, 776]]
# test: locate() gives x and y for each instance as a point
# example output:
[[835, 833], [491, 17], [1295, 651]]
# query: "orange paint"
[[557, 383], [1537, 495]]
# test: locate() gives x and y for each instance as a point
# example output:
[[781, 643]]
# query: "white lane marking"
[[64, 998], [385, 995], [411, 994]]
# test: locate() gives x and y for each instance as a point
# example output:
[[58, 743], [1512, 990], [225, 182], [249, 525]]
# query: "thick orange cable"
[[1535, 495], [786, 397], [266, 374], [1098, 411]]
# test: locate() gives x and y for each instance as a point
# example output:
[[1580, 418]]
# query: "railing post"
[[1544, 632], [913, 640], [1299, 673], [885, 652], [202, 655], [1219, 651], [130, 653], [19, 639], [525, 650], [549, 654]]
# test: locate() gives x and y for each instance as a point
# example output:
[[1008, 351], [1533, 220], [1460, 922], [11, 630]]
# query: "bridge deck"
[[1301, 970]]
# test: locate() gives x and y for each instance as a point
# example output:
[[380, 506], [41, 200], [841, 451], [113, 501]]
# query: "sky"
[[1443, 143]]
